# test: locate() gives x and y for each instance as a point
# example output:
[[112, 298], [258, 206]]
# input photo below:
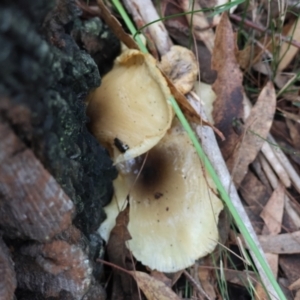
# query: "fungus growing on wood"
[[134, 94], [173, 211]]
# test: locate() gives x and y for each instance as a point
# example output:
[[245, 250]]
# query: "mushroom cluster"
[[173, 206], [131, 106]]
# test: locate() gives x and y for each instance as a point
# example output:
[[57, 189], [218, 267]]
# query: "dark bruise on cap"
[[153, 170]]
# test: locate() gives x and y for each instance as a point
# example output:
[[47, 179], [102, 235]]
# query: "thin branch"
[[264, 30]]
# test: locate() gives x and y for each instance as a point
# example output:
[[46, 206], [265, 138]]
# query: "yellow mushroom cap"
[[131, 105], [173, 212]]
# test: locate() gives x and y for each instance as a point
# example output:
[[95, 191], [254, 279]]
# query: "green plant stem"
[[130, 26], [224, 195]]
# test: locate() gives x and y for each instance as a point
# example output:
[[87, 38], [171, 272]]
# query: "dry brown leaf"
[[240, 277], [228, 87], [244, 57], [288, 51], [297, 296], [257, 127], [260, 292], [290, 265], [289, 115], [273, 211], [176, 276], [254, 193], [294, 132], [272, 215], [292, 96], [207, 282], [295, 285], [201, 26], [123, 284], [152, 288], [161, 277], [272, 260], [118, 236], [287, 243]]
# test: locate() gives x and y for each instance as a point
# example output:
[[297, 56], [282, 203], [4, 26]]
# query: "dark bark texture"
[[54, 176]]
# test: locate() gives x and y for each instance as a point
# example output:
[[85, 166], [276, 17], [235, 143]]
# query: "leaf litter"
[[247, 148]]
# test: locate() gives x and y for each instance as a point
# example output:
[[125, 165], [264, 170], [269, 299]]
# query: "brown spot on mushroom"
[[167, 208], [152, 171], [157, 195]]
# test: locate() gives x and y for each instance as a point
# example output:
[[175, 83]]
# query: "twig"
[[212, 150], [195, 283], [275, 163], [268, 171], [264, 30], [146, 11], [268, 152], [287, 165]]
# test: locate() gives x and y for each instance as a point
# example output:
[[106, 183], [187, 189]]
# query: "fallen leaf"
[[260, 292], [295, 285], [288, 51], [294, 129], [240, 277], [254, 193], [272, 260], [244, 57], [153, 288], [287, 243], [290, 265], [200, 25], [207, 282], [123, 284], [257, 127], [273, 211], [161, 277], [297, 296], [228, 86], [289, 115]]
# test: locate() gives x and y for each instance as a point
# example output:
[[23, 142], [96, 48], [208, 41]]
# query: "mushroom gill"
[[173, 212], [134, 94]]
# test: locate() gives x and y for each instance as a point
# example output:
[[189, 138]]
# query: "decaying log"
[[54, 176], [8, 282], [53, 267], [32, 204]]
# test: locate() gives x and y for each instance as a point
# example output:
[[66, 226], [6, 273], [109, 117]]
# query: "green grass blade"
[[130, 25], [223, 193]]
